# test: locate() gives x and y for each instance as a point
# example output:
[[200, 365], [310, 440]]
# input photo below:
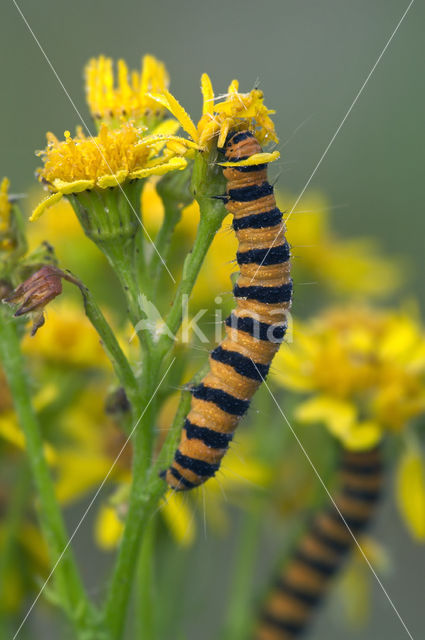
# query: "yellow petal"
[[73, 187], [179, 517], [338, 415], [160, 169], [10, 431], [169, 102], [166, 127], [207, 94], [112, 180], [362, 436], [257, 158], [108, 528], [410, 484], [45, 204]]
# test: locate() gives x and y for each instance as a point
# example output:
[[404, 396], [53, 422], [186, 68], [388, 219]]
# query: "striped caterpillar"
[[255, 328], [320, 553]]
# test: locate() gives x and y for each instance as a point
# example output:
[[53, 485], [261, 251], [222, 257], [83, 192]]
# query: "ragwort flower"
[[115, 98], [364, 371], [235, 112], [116, 157]]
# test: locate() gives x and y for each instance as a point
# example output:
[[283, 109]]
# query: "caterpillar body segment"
[[255, 328], [304, 582]]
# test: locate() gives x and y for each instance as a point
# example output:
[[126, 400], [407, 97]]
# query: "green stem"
[[212, 216], [145, 494], [68, 581], [12, 521], [238, 622], [172, 215], [110, 343], [146, 591]]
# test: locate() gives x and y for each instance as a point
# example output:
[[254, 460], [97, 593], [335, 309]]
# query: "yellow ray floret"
[[235, 112], [364, 371], [5, 205], [124, 95], [113, 157]]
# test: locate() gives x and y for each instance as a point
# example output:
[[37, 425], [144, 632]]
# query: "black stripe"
[[352, 522], [333, 544], [266, 257], [249, 167], [259, 330], [200, 467], [291, 626], [298, 593], [362, 494], [181, 479], [324, 567], [258, 220], [234, 138], [269, 295], [224, 401], [209, 437], [241, 364], [364, 468], [251, 192]]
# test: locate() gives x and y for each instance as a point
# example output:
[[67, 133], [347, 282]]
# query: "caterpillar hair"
[[319, 555], [255, 328]]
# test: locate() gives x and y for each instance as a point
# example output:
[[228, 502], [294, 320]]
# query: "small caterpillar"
[[255, 328], [320, 553]]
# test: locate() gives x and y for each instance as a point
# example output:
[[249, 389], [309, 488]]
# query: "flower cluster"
[[114, 100], [364, 371]]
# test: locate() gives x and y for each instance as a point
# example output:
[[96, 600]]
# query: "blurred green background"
[[310, 59]]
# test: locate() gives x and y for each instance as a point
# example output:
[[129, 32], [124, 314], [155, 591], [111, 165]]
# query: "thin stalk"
[[145, 495], [110, 343], [146, 592], [208, 227], [68, 581]]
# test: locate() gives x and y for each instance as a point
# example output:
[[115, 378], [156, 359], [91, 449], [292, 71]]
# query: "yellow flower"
[[364, 371], [114, 157], [125, 97], [352, 266], [67, 339], [237, 111], [5, 205], [410, 482]]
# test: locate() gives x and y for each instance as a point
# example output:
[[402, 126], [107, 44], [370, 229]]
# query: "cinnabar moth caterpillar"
[[320, 553], [255, 328]]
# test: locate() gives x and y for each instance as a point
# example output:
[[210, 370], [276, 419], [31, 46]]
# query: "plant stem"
[[145, 495], [211, 219], [146, 591], [70, 588], [110, 343]]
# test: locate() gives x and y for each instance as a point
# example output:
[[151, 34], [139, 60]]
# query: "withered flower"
[[36, 292]]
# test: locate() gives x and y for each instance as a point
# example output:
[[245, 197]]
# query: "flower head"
[[364, 371], [114, 157], [114, 98], [235, 112]]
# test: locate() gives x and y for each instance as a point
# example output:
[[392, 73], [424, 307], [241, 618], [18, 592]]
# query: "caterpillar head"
[[240, 145]]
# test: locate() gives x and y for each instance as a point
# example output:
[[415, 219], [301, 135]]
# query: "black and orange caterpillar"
[[321, 551], [255, 328]]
